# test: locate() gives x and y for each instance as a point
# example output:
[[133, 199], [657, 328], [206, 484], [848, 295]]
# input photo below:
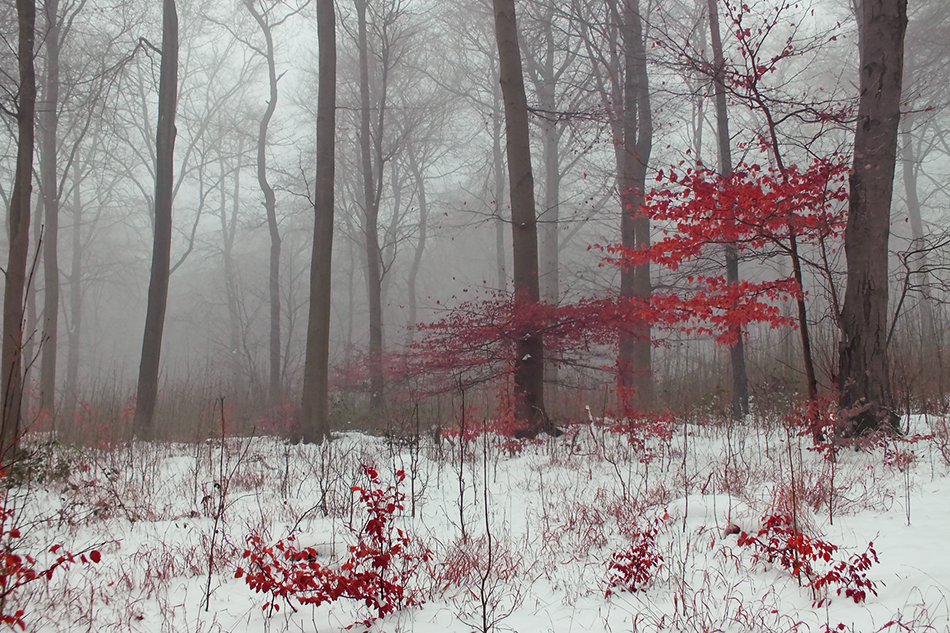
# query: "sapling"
[[221, 486]]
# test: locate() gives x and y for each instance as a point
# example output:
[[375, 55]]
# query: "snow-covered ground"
[[537, 560]]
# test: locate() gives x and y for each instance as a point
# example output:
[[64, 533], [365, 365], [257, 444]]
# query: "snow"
[[557, 509]]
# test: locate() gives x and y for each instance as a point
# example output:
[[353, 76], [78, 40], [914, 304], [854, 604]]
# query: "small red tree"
[[754, 208]]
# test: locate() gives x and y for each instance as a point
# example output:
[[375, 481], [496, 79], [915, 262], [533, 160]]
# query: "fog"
[[436, 121]]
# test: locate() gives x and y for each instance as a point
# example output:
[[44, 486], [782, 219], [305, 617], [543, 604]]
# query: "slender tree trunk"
[[374, 274], [550, 157], [498, 169], [635, 357], [909, 163], [75, 296], [270, 206], [32, 334], [11, 361], [316, 385], [529, 347], [550, 213], [864, 382], [420, 243], [49, 184], [228, 226], [740, 381], [147, 392]]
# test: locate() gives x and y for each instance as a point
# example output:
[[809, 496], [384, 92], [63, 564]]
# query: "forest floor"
[[602, 529]]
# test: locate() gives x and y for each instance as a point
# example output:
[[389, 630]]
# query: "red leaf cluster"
[[376, 572], [633, 569], [798, 552], [17, 571]]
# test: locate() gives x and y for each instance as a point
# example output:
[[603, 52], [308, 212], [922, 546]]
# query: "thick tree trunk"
[[49, 184], [864, 381], [740, 381], [529, 348], [316, 390], [270, 206], [147, 391], [635, 357], [374, 268], [11, 359]]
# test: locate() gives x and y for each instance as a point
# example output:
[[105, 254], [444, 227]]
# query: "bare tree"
[[529, 346], [635, 358], [740, 381], [267, 23], [315, 410], [11, 360], [147, 390], [864, 381]]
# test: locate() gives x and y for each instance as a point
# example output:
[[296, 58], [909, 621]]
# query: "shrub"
[[635, 567], [377, 571], [778, 540]]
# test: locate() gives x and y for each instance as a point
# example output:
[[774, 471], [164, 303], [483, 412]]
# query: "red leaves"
[[635, 567], [17, 571], [797, 551], [375, 573], [751, 209]]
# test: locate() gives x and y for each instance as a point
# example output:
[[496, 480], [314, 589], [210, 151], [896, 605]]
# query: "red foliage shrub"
[[634, 568], [376, 572], [798, 553], [19, 570]]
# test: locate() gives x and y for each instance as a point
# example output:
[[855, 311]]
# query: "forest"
[[507, 315]]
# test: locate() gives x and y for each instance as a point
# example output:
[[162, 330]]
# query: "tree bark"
[[75, 296], [909, 164], [498, 172], [635, 354], [864, 382], [228, 226], [740, 380], [147, 391], [11, 360], [529, 347], [49, 184], [420, 243], [270, 206], [316, 389], [374, 271]]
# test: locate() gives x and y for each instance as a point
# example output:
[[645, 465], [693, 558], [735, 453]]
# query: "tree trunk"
[[420, 243], [270, 206], [909, 163], [498, 169], [374, 273], [147, 391], [529, 347], [864, 381], [11, 361], [635, 357], [740, 381], [75, 297], [550, 157], [228, 226], [31, 334], [316, 390], [49, 184]]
